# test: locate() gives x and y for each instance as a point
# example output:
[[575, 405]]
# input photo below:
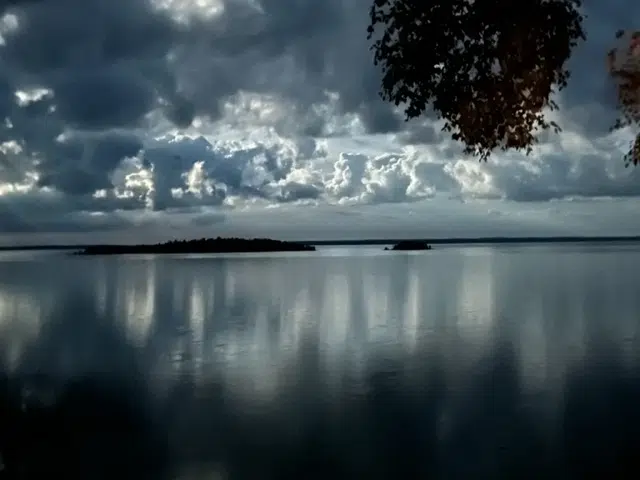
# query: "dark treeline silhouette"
[[387, 241], [65, 411], [203, 245], [410, 245]]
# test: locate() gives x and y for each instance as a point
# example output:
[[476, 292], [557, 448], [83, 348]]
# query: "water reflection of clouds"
[[252, 315], [475, 292], [289, 348], [20, 320]]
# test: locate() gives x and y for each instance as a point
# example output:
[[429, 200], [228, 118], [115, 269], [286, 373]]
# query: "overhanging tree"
[[487, 68], [624, 66]]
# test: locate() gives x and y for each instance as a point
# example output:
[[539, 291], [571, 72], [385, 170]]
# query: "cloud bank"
[[121, 113]]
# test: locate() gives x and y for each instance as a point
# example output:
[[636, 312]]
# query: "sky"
[[144, 120]]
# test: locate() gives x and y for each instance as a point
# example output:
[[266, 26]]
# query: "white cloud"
[[209, 110]]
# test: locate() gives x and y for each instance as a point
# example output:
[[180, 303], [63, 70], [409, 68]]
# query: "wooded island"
[[203, 245]]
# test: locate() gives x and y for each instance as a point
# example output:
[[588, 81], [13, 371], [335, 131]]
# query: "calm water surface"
[[465, 362]]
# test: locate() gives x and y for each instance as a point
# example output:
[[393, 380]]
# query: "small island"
[[407, 245], [204, 245]]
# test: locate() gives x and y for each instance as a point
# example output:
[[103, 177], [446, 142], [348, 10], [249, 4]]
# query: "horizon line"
[[383, 241]]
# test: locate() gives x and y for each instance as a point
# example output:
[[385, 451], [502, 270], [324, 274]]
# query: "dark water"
[[511, 362]]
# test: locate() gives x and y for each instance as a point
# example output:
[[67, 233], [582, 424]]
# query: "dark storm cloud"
[[83, 164], [18, 216], [74, 47], [297, 49], [102, 67], [100, 99], [103, 64], [112, 61], [12, 222], [108, 63], [53, 36]]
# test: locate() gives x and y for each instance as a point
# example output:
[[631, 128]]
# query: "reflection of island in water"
[[406, 245], [204, 245]]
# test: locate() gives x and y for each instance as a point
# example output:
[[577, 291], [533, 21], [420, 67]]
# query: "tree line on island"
[[406, 245], [203, 245], [225, 245]]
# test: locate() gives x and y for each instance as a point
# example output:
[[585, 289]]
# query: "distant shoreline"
[[390, 241], [203, 245]]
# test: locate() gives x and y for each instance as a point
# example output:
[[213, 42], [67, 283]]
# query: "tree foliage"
[[488, 68], [624, 66]]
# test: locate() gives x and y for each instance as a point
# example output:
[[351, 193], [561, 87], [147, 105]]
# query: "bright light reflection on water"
[[453, 363]]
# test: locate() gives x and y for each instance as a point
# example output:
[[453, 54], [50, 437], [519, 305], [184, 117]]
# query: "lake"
[[461, 362]]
